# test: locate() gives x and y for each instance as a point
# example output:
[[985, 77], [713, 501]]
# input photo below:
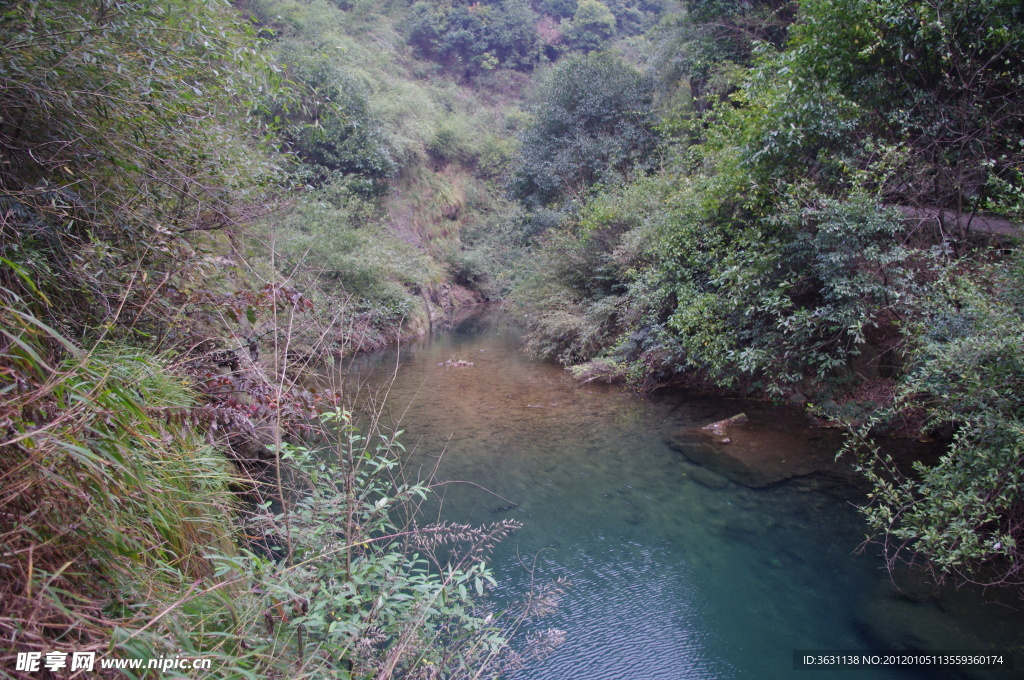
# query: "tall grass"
[[112, 501]]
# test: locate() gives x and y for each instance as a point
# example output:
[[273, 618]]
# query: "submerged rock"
[[936, 622], [456, 363], [706, 478], [760, 451]]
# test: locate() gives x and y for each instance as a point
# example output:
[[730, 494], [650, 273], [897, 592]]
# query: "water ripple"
[[676, 572]]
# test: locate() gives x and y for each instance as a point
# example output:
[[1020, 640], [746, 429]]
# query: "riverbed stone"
[[706, 478], [764, 448], [925, 626]]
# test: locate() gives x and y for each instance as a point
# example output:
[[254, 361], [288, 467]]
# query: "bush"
[[964, 514], [939, 78], [331, 131], [574, 296], [361, 589], [114, 162]]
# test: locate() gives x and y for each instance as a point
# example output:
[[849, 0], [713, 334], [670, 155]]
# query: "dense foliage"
[[152, 353], [472, 38], [592, 125], [964, 514], [108, 161], [331, 131], [811, 201], [831, 172]]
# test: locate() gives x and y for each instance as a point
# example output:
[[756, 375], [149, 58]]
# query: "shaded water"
[[676, 572]]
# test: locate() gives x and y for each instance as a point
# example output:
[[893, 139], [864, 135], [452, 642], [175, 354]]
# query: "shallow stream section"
[[676, 571]]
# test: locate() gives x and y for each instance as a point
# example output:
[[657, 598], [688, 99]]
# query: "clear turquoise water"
[[676, 573]]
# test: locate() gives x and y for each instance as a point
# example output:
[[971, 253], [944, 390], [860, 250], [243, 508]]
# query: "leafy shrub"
[[562, 9], [331, 130], [966, 370], [114, 162], [114, 503], [936, 77], [362, 589], [574, 295]]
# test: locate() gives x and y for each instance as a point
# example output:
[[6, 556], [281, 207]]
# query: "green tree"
[[633, 17], [593, 124], [562, 9], [472, 38], [704, 45], [330, 129], [592, 25], [941, 80]]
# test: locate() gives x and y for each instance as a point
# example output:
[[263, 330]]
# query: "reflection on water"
[[676, 572]]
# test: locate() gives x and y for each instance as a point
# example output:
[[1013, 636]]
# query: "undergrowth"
[[122, 535]]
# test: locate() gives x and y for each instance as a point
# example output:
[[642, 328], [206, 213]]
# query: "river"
[[676, 572]]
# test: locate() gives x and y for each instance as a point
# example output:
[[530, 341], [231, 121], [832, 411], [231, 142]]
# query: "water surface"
[[676, 572]]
